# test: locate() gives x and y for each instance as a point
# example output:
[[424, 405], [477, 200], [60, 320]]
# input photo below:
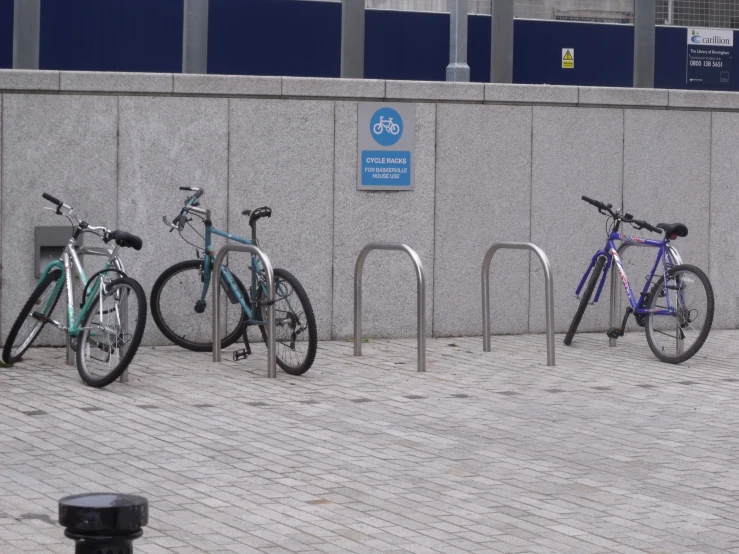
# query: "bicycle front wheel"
[[176, 310], [31, 320], [677, 337], [111, 331], [296, 338], [585, 299]]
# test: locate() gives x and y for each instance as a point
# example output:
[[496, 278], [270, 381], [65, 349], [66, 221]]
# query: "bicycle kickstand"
[[245, 352], [616, 332]]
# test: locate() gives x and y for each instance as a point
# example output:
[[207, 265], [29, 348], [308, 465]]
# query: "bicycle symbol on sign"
[[386, 125]]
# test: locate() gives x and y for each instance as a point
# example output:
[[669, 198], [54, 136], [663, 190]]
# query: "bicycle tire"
[[204, 344], [651, 318], [91, 338], [585, 299], [283, 276], [9, 356]]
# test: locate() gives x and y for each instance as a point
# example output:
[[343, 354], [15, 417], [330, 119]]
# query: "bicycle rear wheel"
[[676, 338], [28, 325], [112, 331], [296, 338], [585, 299], [175, 308]]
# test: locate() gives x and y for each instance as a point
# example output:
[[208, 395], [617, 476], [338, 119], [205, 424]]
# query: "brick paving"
[[610, 451]]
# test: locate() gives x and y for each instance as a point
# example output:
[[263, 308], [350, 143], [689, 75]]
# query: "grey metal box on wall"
[[50, 243]]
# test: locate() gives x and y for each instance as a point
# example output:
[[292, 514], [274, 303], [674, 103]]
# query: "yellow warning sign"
[[568, 58]]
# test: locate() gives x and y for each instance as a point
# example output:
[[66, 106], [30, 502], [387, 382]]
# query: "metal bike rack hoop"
[[548, 292], [270, 278], [420, 293], [613, 316]]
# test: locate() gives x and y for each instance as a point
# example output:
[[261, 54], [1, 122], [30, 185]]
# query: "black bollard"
[[103, 523]]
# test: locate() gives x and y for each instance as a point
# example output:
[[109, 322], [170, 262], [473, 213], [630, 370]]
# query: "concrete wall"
[[493, 163]]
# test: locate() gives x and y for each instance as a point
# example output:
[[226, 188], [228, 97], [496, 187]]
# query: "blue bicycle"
[[180, 294], [677, 313]]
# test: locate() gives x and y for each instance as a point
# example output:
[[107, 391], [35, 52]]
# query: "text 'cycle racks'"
[[269, 277]]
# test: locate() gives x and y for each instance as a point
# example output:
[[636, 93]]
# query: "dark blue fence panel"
[[406, 45], [111, 35], [302, 38], [603, 53], [478, 48], [274, 37], [6, 34]]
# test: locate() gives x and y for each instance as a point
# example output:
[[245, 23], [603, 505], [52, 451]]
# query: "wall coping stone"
[[704, 99], [333, 88], [530, 94], [29, 80], [614, 96], [14, 81], [227, 85], [93, 81]]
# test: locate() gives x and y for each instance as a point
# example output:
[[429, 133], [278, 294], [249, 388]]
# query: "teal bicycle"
[[180, 295], [108, 328]]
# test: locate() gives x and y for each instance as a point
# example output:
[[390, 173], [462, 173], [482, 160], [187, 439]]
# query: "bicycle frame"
[[665, 257], [209, 261], [70, 260]]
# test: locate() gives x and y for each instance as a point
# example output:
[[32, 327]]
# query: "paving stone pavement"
[[609, 451]]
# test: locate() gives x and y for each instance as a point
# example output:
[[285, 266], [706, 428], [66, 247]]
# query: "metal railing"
[[269, 275], [614, 315], [548, 292], [420, 293]]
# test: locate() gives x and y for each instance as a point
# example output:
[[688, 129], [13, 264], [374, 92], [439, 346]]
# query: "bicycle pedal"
[[41, 317], [241, 355], [614, 333]]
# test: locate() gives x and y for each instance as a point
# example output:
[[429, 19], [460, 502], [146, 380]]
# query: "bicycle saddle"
[[126, 240], [257, 213], [674, 230]]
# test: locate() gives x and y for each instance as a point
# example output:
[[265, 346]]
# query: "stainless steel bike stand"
[[270, 278], [548, 292], [420, 294], [124, 333], [614, 316]]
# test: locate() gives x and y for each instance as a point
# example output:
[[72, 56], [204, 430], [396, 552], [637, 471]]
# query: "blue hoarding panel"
[[111, 35], [274, 37], [6, 34], [604, 54]]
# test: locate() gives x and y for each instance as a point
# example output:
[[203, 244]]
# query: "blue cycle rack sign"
[[386, 143]]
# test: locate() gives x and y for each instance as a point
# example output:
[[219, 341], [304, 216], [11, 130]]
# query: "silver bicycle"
[[109, 325]]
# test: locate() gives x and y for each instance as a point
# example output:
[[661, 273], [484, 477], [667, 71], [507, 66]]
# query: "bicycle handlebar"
[[50, 198], [628, 218], [180, 221]]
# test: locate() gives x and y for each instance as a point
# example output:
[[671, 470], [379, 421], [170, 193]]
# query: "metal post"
[[501, 42], [26, 33], [352, 39], [420, 297], [195, 36], [103, 522], [614, 315], [670, 11], [70, 351], [269, 277], [548, 292], [644, 37], [124, 333], [458, 70]]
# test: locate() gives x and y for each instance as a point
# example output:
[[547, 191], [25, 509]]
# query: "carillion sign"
[[709, 56]]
